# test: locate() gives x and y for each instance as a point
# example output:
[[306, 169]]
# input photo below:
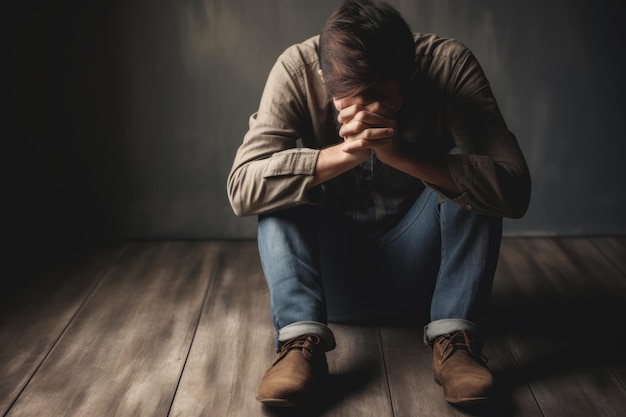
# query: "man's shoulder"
[[303, 53], [436, 46]]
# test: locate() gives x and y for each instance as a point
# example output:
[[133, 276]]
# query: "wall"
[[129, 112]]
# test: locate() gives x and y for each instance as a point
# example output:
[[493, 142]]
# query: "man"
[[380, 168]]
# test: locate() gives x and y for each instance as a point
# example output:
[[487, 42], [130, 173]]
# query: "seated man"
[[380, 168]]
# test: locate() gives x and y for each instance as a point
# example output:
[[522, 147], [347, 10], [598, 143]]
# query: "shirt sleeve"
[[490, 169], [270, 172]]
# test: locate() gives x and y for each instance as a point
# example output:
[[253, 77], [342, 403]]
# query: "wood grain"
[[358, 380], [409, 369], [123, 354], [559, 333], [32, 322], [614, 248], [234, 342], [184, 329]]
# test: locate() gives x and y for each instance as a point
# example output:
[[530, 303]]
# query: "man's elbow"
[[233, 190]]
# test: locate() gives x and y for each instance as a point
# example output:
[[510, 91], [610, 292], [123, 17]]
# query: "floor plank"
[[124, 351], [409, 369], [513, 395], [234, 341], [614, 249], [32, 321], [358, 382], [552, 331], [184, 329]]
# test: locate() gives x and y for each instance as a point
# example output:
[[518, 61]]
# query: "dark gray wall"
[[129, 112]]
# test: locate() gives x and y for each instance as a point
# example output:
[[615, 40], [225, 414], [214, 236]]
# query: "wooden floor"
[[183, 329]]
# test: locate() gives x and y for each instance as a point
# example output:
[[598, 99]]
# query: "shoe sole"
[[466, 401], [277, 402], [461, 401]]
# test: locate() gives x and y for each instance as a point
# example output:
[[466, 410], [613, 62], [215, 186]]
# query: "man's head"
[[364, 44]]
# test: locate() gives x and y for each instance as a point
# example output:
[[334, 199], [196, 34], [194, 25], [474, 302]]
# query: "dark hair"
[[364, 43]]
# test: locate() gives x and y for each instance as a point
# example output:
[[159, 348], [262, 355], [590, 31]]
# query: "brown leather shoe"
[[460, 369], [296, 372]]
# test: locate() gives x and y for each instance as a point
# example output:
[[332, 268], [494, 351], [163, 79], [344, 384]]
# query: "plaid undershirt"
[[375, 202]]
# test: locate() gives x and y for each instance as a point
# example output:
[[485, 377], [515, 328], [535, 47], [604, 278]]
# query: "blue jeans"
[[438, 260]]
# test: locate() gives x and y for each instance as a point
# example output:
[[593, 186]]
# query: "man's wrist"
[[333, 161]]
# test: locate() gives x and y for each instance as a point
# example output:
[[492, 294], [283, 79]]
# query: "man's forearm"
[[431, 169], [333, 161]]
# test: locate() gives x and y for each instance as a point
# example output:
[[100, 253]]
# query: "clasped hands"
[[370, 126], [367, 126]]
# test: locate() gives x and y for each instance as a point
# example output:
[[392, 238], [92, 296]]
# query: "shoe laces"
[[306, 342], [461, 340]]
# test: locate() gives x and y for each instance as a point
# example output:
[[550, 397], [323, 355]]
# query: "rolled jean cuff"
[[301, 328], [437, 328]]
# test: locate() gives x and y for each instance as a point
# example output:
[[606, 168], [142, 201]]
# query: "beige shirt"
[[449, 105]]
